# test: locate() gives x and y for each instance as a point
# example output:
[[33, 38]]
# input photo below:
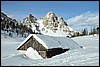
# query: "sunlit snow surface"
[[32, 54], [88, 56]]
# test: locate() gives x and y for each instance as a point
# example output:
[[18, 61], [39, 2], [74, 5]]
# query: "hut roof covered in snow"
[[50, 42]]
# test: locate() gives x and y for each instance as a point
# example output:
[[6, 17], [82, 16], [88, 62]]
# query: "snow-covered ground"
[[89, 56]]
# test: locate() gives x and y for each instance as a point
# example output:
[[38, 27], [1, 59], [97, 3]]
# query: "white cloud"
[[85, 19], [12, 16]]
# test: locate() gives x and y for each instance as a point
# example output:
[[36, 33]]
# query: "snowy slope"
[[89, 56]]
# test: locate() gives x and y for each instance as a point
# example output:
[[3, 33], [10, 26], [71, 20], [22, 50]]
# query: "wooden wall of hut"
[[32, 42], [45, 53], [27, 44]]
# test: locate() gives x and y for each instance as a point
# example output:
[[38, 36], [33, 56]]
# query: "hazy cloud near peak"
[[12, 16], [85, 19]]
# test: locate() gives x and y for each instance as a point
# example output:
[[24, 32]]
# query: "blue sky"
[[69, 10], [66, 9]]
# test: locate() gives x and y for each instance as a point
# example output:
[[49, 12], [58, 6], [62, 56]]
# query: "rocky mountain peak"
[[50, 15], [53, 22], [30, 16], [29, 19]]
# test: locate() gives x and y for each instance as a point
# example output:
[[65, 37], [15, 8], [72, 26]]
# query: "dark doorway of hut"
[[55, 51]]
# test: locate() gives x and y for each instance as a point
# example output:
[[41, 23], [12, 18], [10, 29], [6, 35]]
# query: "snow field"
[[88, 56]]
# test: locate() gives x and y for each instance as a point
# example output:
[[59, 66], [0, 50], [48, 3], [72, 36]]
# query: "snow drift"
[[33, 54]]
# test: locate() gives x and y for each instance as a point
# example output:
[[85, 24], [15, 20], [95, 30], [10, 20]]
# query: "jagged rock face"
[[29, 20], [49, 19], [52, 22]]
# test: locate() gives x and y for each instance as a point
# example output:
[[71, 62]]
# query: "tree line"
[[12, 26], [84, 32]]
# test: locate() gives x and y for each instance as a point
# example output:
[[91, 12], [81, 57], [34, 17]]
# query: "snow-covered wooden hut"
[[47, 46]]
